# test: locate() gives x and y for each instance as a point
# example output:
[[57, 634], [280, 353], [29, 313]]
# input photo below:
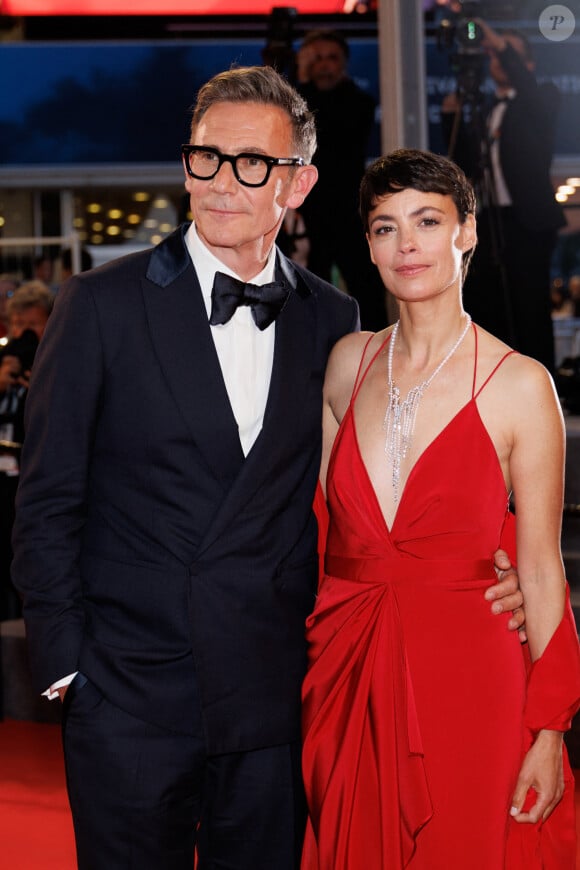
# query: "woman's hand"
[[542, 771]]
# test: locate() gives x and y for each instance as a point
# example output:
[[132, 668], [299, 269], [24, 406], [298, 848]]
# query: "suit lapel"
[[292, 366], [184, 347], [291, 372], [185, 350]]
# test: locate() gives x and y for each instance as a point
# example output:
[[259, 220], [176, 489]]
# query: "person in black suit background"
[[344, 115], [165, 542], [508, 158]]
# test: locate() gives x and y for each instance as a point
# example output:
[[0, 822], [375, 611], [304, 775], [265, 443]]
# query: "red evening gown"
[[415, 711]]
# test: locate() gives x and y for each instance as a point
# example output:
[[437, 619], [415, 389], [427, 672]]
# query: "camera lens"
[[469, 35], [24, 348]]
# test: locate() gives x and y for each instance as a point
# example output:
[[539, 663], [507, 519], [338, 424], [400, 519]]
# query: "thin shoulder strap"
[[359, 379], [492, 373]]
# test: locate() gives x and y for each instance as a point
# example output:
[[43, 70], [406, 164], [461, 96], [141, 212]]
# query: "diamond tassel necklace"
[[399, 421]]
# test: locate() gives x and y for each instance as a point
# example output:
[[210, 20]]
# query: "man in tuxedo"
[[165, 540], [508, 158]]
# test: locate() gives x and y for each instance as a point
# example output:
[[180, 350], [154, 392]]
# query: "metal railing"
[[38, 242]]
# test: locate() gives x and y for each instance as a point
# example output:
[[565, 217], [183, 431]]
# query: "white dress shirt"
[[245, 352], [502, 194]]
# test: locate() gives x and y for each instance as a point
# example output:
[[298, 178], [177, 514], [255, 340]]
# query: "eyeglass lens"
[[248, 168]]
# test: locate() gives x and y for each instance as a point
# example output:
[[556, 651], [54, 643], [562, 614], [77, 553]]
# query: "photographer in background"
[[508, 157], [27, 310], [344, 116]]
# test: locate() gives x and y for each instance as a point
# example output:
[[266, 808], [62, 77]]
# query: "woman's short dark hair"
[[419, 170]]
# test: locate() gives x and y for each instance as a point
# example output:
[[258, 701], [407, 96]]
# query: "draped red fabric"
[[419, 704], [552, 700], [321, 513]]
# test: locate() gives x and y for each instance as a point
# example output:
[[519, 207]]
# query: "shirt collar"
[[207, 264], [505, 95]]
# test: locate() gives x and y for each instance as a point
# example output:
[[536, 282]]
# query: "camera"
[[462, 37], [468, 33], [23, 348]]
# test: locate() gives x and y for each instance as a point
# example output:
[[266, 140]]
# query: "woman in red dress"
[[432, 738]]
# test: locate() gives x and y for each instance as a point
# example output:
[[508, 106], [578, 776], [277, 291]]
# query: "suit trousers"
[[144, 798]]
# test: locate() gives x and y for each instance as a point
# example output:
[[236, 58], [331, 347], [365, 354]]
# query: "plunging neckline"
[[412, 472], [359, 380]]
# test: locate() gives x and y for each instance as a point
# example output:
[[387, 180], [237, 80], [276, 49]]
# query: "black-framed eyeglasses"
[[250, 169]]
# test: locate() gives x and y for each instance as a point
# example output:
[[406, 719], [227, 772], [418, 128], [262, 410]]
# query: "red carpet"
[[35, 826]]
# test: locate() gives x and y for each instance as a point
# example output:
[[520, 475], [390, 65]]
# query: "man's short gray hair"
[[260, 84]]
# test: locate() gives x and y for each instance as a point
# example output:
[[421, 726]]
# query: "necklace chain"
[[399, 420]]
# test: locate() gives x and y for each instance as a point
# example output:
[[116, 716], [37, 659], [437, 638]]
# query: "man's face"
[[34, 318], [327, 64], [43, 271], [239, 224]]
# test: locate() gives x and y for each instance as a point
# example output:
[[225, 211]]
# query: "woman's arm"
[[536, 467]]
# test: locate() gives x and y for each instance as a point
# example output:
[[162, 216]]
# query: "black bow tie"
[[228, 293]]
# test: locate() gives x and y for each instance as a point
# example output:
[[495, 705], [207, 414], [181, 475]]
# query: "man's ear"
[[187, 177], [304, 180]]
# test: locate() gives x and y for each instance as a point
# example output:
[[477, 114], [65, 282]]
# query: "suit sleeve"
[[520, 77], [61, 414]]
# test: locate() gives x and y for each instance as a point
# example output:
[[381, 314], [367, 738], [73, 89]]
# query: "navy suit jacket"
[[152, 556]]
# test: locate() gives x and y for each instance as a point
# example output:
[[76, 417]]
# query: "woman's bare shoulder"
[[347, 356], [350, 348], [523, 382]]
